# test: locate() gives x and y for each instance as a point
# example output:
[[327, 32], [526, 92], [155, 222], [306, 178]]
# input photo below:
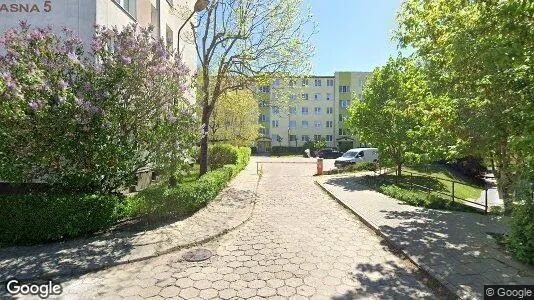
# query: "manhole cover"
[[197, 255]]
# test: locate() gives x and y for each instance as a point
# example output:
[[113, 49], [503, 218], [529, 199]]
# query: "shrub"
[[222, 154], [41, 217], [284, 150], [84, 124], [520, 241]]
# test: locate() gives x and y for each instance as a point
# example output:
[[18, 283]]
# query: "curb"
[[147, 257], [421, 266]]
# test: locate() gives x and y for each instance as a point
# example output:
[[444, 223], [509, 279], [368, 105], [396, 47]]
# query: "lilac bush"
[[87, 119]]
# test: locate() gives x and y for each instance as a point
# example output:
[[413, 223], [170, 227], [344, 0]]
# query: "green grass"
[[468, 188], [426, 191], [192, 175]]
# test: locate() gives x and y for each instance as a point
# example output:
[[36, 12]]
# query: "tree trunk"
[[204, 142], [505, 177], [399, 169]]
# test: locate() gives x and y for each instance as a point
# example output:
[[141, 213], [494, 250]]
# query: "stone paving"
[[454, 247], [232, 207], [298, 244]]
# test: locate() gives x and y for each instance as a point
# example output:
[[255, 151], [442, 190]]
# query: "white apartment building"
[[317, 112], [82, 15]]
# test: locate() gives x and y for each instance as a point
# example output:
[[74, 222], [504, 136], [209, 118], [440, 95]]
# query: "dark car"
[[329, 153]]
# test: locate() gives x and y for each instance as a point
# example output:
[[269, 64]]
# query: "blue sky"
[[366, 45]]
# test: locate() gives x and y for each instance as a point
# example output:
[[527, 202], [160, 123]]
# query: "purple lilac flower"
[[24, 24], [96, 45], [171, 118], [34, 105], [126, 59], [73, 57], [87, 87], [63, 85]]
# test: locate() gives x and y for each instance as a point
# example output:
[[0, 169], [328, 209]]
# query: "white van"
[[357, 155]]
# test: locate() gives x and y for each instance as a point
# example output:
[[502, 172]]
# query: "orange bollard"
[[319, 166]]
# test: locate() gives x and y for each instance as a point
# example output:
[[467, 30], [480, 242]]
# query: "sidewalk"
[[453, 247], [231, 208]]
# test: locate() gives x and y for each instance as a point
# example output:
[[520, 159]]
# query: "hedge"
[[284, 150], [520, 240], [36, 218], [189, 197]]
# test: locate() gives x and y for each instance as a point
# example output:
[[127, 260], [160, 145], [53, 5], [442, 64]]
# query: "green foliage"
[[319, 144], [399, 115], [417, 197], [284, 150], [222, 154], [479, 54], [520, 241], [85, 121], [187, 197], [41, 218]]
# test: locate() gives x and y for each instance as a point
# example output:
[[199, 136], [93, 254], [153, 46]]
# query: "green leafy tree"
[[234, 119], [480, 54], [398, 115], [245, 43]]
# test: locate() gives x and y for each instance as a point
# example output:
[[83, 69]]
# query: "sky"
[[353, 35]]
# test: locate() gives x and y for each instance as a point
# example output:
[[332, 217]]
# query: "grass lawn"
[[414, 190], [192, 175], [469, 188]]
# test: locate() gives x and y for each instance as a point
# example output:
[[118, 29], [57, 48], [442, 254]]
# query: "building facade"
[[318, 111], [82, 15]]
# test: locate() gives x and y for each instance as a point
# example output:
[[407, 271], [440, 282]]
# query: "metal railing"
[[451, 194]]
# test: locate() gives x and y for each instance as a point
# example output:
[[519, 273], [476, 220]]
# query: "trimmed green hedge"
[[284, 150], [38, 218], [222, 154], [188, 197]]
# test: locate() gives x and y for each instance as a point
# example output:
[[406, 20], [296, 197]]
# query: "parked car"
[[357, 155], [329, 153]]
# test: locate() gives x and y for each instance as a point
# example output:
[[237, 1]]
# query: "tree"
[[235, 119], [479, 54], [398, 114], [279, 139], [245, 43]]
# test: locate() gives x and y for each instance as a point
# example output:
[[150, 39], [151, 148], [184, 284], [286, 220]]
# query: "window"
[[304, 111], [305, 82], [264, 118], [154, 21], [292, 83], [317, 110], [305, 96], [345, 103], [293, 97], [275, 110], [317, 82], [265, 131], [329, 124], [128, 5], [329, 138], [276, 83], [304, 124], [292, 124], [341, 118], [305, 138], [316, 137], [342, 131], [292, 138], [169, 35], [275, 137], [329, 96], [317, 124], [329, 110], [275, 124], [344, 89], [330, 82], [317, 96], [265, 89], [293, 110], [264, 104]]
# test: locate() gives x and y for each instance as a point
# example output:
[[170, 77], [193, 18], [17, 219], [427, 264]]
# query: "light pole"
[[289, 128], [200, 5]]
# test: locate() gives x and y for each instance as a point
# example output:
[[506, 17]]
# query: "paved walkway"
[[230, 209], [298, 244], [453, 247]]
